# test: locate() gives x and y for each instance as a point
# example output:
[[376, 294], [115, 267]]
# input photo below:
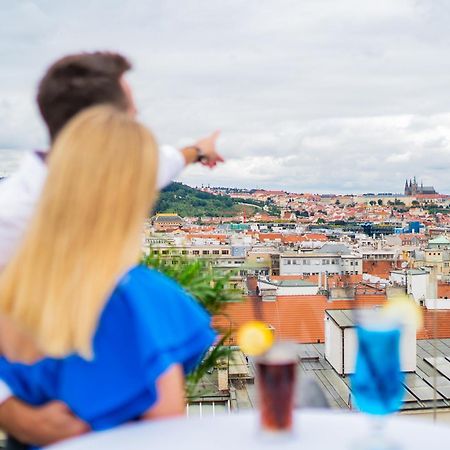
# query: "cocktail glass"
[[276, 378], [377, 384]]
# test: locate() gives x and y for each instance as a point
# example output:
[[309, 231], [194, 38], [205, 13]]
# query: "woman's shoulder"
[[156, 306], [146, 292], [150, 280]]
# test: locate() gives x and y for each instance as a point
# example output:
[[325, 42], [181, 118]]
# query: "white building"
[[314, 263], [271, 289], [341, 344], [421, 284]]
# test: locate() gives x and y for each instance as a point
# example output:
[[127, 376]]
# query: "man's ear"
[[132, 110]]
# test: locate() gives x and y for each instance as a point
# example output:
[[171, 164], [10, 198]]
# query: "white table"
[[315, 430]]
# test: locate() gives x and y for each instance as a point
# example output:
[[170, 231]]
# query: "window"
[[196, 252], [288, 262], [294, 261], [205, 252], [184, 252], [216, 252], [225, 252], [165, 252]]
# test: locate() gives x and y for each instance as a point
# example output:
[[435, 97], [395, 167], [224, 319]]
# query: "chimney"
[[431, 290]]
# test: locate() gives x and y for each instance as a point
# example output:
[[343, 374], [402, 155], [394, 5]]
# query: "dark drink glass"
[[276, 386]]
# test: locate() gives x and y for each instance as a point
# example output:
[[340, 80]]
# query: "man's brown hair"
[[79, 81]]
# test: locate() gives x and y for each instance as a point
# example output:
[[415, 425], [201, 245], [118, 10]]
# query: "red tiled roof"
[[296, 318], [443, 290], [380, 269], [292, 238], [270, 237], [316, 237], [301, 318], [218, 237], [436, 325]]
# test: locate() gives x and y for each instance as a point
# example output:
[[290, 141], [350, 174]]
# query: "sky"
[[310, 95]]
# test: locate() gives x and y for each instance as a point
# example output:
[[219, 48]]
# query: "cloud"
[[338, 155], [313, 95]]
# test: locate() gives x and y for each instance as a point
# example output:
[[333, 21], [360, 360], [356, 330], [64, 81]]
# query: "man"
[[70, 85]]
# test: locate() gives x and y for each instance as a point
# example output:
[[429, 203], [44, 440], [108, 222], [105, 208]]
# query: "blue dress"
[[148, 324]]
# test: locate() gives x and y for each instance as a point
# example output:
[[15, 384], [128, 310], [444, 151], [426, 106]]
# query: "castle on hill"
[[413, 188]]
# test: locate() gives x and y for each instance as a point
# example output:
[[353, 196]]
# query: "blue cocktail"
[[377, 384]]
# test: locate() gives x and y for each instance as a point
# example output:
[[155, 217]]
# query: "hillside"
[[186, 201]]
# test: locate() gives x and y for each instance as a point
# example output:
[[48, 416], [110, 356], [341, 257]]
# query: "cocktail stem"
[[377, 437], [378, 424]]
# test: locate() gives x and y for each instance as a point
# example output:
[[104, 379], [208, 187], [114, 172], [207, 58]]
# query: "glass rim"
[[376, 319]]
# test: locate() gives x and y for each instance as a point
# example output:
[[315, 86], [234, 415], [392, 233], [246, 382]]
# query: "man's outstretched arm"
[[43, 425], [172, 161]]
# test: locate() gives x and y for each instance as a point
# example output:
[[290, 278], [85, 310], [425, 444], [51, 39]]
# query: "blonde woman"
[[116, 337]]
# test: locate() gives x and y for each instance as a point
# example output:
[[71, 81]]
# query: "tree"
[[380, 201], [210, 287]]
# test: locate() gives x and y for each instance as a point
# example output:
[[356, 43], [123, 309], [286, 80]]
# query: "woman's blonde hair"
[[85, 233]]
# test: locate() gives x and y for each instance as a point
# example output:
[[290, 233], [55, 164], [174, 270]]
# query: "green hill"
[[186, 201]]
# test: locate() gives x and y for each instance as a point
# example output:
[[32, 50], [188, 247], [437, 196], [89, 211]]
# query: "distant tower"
[[406, 187]]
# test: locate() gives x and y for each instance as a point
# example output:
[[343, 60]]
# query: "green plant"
[[209, 286]]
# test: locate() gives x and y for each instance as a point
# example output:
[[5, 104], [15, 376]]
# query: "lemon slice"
[[254, 338], [405, 310]]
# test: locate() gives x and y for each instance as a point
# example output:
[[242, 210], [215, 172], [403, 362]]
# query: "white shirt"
[[20, 192]]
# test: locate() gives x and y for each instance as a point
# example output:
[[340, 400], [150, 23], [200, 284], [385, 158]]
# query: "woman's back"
[[147, 325]]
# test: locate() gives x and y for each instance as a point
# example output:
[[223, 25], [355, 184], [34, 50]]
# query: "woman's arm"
[[170, 388]]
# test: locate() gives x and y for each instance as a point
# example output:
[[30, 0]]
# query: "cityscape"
[[302, 262]]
